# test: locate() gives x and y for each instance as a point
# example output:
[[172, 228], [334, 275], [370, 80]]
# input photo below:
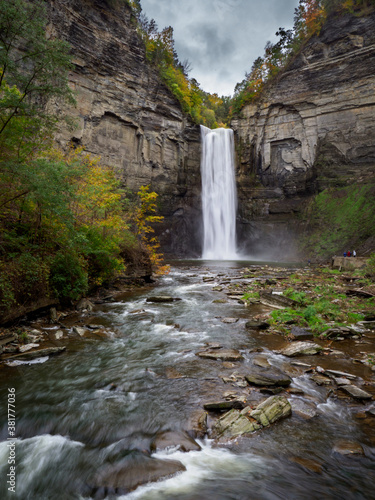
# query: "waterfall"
[[219, 196]]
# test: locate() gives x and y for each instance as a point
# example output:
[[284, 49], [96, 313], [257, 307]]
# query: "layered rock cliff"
[[127, 116], [313, 128]]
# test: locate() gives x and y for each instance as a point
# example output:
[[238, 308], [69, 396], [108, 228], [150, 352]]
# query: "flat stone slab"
[[162, 298], [301, 349], [355, 392], [268, 377], [337, 373], [276, 301], [221, 354], [40, 353]]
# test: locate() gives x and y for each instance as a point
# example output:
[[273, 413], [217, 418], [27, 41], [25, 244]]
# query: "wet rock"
[[235, 423], [268, 377], [174, 439], [301, 333], [224, 405], [260, 325], [321, 379], [219, 301], [217, 289], [131, 473], [7, 338], [355, 392], [221, 354], [79, 331], [59, 334], [306, 463], [271, 390], [305, 410], [39, 353], [162, 298], [200, 425], [213, 345], [84, 304], [301, 349], [27, 347], [300, 364], [172, 373], [208, 279], [337, 373], [271, 410], [229, 320], [341, 381], [261, 361], [348, 448]]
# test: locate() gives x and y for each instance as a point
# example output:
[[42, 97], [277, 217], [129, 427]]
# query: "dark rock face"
[[128, 117], [314, 128]]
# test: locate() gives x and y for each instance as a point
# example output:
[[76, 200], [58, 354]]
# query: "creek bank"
[[222, 384]]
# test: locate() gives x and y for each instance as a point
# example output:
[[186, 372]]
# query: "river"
[[103, 401]]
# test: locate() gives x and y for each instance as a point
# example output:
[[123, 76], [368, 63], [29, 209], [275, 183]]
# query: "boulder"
[[271, 410], [235, 423], [130, 474], [173, 439], [238, 423], [84, 304], [301, 349]]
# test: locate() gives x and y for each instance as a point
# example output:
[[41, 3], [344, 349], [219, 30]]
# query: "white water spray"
[[219, 196]]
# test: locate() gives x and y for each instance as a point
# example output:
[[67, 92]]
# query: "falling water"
[[219, 198]]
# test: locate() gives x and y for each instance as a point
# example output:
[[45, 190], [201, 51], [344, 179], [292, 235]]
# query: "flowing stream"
[[219, 196], [103, 402]]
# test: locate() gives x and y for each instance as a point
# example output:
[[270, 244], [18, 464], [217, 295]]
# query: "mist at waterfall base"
[[224, 237], [219, 197]]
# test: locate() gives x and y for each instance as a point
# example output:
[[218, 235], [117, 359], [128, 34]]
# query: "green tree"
[[33, 71]]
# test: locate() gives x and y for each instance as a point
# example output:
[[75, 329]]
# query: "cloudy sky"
[[221, 38]]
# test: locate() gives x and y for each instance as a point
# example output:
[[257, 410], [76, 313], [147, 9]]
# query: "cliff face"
[[314, 128], [127, 116]]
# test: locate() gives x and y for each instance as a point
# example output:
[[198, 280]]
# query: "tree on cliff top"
[[33, 71]]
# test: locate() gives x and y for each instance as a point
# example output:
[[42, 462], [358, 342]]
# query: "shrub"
[[69, 278]]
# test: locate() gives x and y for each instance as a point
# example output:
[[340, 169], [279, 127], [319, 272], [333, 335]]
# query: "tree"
[[33, 71]]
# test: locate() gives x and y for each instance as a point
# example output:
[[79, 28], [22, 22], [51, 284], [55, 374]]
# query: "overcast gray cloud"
[[221, 38]]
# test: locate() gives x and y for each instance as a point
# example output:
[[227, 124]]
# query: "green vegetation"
[[204, 108], [322, 303], [65, 222], [336, 213]]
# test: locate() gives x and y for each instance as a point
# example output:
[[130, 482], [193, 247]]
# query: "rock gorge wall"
[[128, 117], [314, 128]]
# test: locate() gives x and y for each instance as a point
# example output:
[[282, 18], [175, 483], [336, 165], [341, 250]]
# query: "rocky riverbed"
[[204, 348]]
